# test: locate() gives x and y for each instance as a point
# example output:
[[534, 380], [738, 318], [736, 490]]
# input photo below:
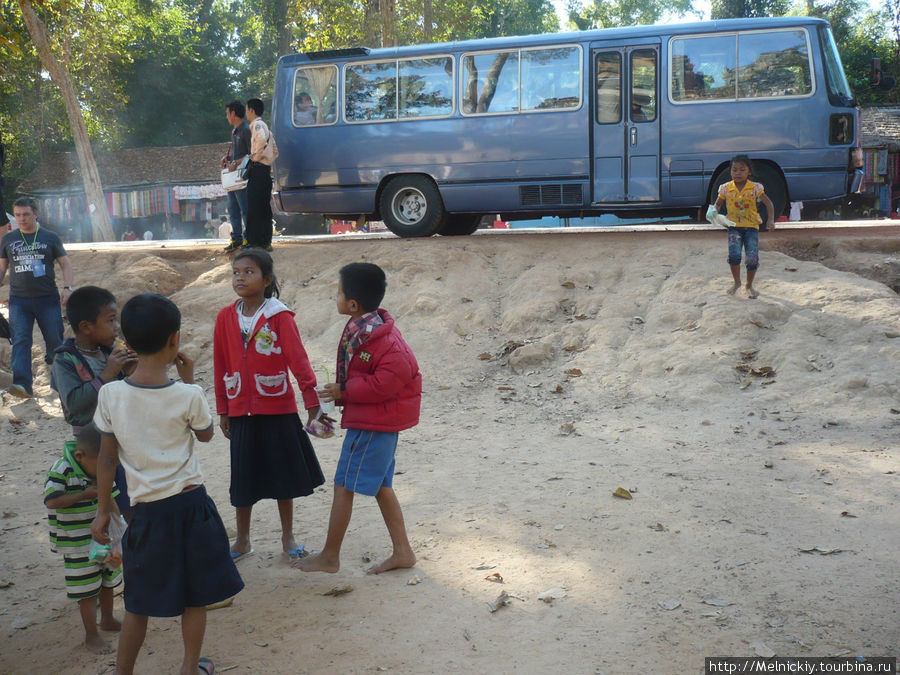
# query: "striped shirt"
[[70, 527]]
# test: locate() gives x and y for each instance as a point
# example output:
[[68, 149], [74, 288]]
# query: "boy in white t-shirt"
[[175, 551]]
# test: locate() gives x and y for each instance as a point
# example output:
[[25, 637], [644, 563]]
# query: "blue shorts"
[[745, 238], [175, 554], [367, 461]]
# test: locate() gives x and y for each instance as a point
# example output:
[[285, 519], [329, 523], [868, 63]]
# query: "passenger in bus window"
[[305, 112], [740, 195]]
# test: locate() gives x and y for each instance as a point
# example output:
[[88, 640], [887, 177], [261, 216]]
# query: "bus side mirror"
[[877, 78]]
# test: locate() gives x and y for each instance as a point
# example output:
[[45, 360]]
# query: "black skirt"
[[271, 458]]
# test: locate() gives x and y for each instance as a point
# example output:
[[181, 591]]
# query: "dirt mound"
[[557, 368]]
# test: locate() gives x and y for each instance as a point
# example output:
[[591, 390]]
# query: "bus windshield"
[[834, 71]]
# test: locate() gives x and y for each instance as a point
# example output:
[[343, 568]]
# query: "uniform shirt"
[[154, 427], [262, 144], [741, 204], [70, 527], [31, 256]]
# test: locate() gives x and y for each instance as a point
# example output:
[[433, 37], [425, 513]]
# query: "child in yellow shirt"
[[740, 196]]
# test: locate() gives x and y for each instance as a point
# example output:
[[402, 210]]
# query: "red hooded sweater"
[[383, 391], [255, 380]]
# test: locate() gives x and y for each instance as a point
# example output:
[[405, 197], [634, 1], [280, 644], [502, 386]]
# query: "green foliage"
[[736, 9], [612, 13]]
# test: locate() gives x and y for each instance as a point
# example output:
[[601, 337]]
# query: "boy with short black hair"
[[380, 387], [71, 495], [175, 550], [84, 363]]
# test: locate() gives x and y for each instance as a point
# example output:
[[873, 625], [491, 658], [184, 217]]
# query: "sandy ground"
[[758, 439]]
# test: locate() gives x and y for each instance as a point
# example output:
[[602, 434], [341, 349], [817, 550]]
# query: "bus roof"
[[723, 25]]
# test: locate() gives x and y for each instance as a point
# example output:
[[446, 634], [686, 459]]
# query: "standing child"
[[380, 387], [740, 196], [256, 343], [175, 550], [71, 495], [92, 358]]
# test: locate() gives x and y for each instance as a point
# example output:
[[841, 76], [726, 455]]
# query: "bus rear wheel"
[[771, 180], [460, 225], [411, 206]]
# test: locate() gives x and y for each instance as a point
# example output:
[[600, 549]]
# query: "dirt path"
[[557, 369]]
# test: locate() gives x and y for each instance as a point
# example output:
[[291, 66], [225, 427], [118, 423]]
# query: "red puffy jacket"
[[255, 380], [383, 391]]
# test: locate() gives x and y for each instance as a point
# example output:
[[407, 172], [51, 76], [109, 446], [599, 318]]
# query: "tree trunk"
[[427, 20], [373, 23], [388, 23], [93, 188], [282, 27]]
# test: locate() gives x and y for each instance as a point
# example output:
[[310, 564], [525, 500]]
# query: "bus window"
[[609, 87], [426, 87], [370, 91], [550, 79], [773, 64], [643, 85], [315, 95], [703, 68], [491, 82]]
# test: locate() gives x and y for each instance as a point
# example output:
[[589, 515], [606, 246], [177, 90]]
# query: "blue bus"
[[632, 121]]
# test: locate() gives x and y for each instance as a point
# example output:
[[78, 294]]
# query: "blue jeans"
[[22, 314], [745, 238], [237, 213]]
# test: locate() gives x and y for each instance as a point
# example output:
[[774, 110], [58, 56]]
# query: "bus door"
[[625, 123]]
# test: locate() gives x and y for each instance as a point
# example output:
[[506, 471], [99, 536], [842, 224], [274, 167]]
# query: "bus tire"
[[771, 180], [411, 206], [459, 225]]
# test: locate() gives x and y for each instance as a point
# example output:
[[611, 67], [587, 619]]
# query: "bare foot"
[[97, 644], [110, 624], [395, 562], [751, 293], [733, 289], [318, 563]]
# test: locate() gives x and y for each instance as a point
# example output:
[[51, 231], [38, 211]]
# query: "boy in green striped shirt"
[[71, 495]]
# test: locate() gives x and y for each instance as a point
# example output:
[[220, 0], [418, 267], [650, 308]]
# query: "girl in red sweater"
[[255, 346]]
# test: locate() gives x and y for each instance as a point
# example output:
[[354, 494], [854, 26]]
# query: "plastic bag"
[[717, 218], [110, 553]]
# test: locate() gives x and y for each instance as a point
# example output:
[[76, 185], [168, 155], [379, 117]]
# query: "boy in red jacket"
[[380, 387]]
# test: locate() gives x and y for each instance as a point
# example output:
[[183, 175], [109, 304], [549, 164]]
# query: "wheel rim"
[[409, 206]]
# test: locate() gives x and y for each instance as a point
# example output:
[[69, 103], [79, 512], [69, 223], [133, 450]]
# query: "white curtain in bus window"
[[315, 95], [643, 85], [773, 64], [703, 68], [550, 78], [426, 87], [370, 92], [491, 82], [608, 66]]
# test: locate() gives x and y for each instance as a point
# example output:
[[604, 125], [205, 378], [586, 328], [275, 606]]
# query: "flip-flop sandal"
[[295, 554], [235, 555], [207, 666]]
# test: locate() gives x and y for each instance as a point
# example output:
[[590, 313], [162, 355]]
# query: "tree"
[[736, 9], [93, 189]]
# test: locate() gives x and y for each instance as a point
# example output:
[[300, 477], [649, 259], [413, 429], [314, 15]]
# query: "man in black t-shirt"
[[28, 253]]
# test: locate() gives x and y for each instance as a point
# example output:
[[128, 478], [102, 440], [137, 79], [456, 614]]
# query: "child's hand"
[[225, 425], [329, 392], [770, 225], [90, 492], [99, 528], [121, 358], [185, 367]]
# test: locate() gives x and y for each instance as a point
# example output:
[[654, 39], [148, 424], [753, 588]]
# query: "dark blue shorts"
[[367, 461], [175, 554]]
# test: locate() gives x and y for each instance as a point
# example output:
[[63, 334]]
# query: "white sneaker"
[[19, 391]]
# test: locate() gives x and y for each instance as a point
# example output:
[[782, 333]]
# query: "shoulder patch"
[[365, 356]]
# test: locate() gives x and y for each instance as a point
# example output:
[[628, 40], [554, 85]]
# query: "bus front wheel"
[[411, 206], [460, 225]]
